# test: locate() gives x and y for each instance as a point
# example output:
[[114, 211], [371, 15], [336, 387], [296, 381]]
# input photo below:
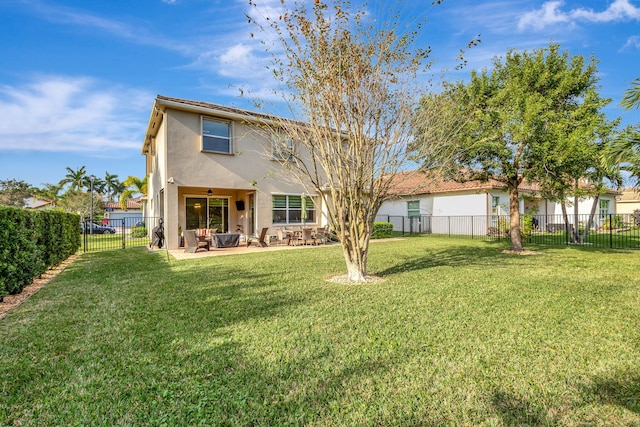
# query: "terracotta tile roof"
[[133, 203], [413, 182]]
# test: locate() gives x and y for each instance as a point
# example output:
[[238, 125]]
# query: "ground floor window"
[[207, 212], [293, 209], [495, 205], [604, 208], [413, 208]]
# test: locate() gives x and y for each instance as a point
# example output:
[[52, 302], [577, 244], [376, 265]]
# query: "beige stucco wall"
[[248, 171], [627, 206]]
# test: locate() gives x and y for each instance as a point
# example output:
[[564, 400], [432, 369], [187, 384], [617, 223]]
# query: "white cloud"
[[551, 14], [70, 114], [633, 42], [548, 14], [239, 61], [619, 10]]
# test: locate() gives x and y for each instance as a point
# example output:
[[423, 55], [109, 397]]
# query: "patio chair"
[[305, 236], [193, 244], [321, 234], [260, 240], [282, 237]]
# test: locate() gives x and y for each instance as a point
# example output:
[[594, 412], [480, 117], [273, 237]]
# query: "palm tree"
[[75, 178], [112, 182], [99, 185], [628, 145], [134, 185], [118, 189], [632, 95]]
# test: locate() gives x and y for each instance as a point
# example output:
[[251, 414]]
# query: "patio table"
[[225, 240]]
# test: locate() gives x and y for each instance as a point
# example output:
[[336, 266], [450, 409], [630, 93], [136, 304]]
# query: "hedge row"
[[382, 230], [31, 242]]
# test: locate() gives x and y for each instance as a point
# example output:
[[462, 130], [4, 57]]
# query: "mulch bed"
[[12, 301]]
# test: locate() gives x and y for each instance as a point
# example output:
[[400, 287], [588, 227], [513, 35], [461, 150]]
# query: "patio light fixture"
[[209, 192]]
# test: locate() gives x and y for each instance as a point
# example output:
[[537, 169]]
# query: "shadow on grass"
[[514, 410], [488, 256], [623, 391]]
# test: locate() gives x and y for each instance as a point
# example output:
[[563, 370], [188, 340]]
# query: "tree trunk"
[[565, 216], [514, 214], [576, 216], [592, 214], [355, 250]]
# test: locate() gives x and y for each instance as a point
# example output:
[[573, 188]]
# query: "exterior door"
[[251, 212], [219, 214]]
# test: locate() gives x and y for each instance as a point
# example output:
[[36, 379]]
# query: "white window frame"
[[287, 209], [282, 147], [413, 212], [604, 207], [229, 124], [495, 205]]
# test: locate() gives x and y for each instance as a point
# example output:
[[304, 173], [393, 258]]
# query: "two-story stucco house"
[[208, 166]]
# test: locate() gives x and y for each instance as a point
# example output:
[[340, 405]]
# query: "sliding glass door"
[[219, 214], [207, 212]]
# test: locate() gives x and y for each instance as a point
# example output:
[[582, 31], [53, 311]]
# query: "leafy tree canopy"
[[536, 115]]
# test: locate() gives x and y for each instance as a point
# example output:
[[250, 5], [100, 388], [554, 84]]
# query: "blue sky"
[[78, 78]]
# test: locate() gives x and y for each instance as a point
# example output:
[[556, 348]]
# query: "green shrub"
[[138, 232], [32, 241], [503, 226], [613, 222], [526, 226], [382, 230]]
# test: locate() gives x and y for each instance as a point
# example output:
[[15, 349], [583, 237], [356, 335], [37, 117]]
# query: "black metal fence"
[[610, 231], [119, 233]]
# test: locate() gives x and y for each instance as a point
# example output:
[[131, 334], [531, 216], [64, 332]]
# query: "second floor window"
[[281, 147], [216, 136]]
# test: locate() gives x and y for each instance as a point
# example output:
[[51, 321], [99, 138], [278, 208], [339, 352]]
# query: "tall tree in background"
[[582, 167], [75, 178], [14, 192], [631, 97], [524, 117], [111, 185], [135, 186], [627, 147], [95, 184], [351, 85]]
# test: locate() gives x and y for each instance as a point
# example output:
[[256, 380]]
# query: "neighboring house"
[[34, 203], [414, 195], [207, 167], [628, 201], [131, 215]]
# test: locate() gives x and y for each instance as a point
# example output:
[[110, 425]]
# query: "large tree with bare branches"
[[350, 82]]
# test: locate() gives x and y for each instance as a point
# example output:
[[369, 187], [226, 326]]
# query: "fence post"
[[123, 233], [611, 231], [472, 221], [84, 236]]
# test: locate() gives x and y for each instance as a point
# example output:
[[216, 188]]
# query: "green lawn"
[[101, 242], [457, 334]]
